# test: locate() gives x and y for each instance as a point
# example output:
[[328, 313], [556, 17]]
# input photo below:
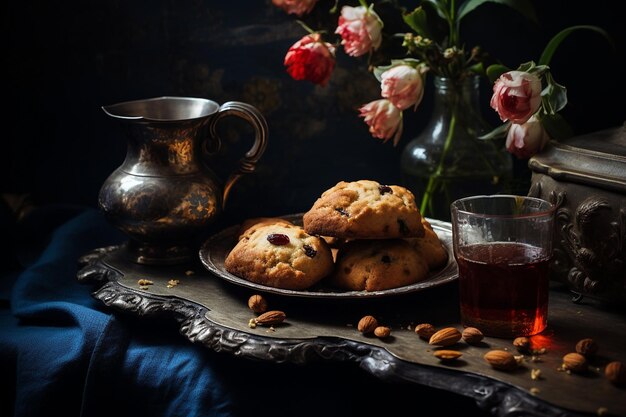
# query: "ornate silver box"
[[585, 176]]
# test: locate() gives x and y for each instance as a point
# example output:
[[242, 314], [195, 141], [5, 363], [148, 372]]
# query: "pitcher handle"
[[247, 164]]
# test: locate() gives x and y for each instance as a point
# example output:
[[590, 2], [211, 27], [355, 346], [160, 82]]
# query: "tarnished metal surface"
[[164, 196], [214, 313], [586, 178]]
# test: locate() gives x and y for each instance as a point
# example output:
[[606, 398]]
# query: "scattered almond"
[[616, 372], [425, 330], [522, 344], [447, 355], [367, 324], [270, 318], [501, 359], [575, 362], [445, 337], [472, 335], [382, 332], [257, 303], [587, 347]]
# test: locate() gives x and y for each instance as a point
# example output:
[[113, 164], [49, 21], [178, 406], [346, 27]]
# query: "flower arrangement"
[[527, 99]]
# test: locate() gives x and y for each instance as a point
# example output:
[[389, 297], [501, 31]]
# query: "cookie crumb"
[[188, 273], [172, 283], [535, 374], [144, 282], [534, 391]]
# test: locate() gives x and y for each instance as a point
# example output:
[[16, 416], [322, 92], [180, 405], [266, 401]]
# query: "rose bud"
[[516, 96], [297, 7], [525, 140], [403, 86], [311, 59], [384, 119], [360, 29]]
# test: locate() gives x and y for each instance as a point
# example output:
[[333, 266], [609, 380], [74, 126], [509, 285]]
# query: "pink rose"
[[311, 59], [360, 30], [297, 7], [516, 96], [403, 86], [525, 140], [384, 120]]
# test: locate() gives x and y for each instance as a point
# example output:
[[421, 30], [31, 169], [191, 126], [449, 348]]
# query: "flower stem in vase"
[[432, 181]]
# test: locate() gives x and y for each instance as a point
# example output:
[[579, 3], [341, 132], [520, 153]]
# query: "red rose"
[[311, 59]]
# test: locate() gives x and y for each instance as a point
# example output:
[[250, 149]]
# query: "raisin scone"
[[429, 247], [364, 209], [375, 265], [280, 256]]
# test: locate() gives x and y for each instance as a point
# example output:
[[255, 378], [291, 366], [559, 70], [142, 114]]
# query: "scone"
[[375, 265], [364, 210], [280, 256], [430, 247], [250, 225]]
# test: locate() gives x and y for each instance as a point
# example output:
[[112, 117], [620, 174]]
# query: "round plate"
[[214, 251]]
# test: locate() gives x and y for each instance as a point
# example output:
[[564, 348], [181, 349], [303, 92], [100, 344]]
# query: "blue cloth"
[[64, 353]]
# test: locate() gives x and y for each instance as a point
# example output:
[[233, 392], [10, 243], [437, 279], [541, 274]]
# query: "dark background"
[[64, 60]]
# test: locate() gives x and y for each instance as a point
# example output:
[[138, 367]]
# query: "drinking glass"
[[503, 247]]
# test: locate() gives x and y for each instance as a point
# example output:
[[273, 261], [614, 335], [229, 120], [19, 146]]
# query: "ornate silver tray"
[[215, 249]]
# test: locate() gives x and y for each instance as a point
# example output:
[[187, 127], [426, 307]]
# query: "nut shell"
[[270, 318], [382, 332], [501, 359], [425, 330], [472, 335], [257, 303], [367, 324], [445, 337], [522, 344], [575, 362], [616, 372], [447, 355], [587, 347]]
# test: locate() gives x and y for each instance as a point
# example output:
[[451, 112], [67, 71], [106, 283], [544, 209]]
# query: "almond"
[[616, 372], [445, 337], [425, 330], [367, 324], [270, 318], [447, 355], [382, 332], [575, 362], [472, 335], [501, 359], [257, 303]]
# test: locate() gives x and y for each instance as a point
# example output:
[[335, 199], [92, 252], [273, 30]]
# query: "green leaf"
[[495, 71], [526, 66], [417, 21], [523, 7], [497, 133], [440, 8], [554, 96], [554, 43], [378, 71], [556, 126]]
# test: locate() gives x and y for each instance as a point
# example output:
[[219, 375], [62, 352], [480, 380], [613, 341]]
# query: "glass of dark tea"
[[503, 247]]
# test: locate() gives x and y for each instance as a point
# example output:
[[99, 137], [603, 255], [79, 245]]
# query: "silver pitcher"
[[164, 196]]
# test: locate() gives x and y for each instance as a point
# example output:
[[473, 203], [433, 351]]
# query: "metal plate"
[[214, 251]]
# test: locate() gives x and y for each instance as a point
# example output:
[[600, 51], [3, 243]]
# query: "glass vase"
[[447, 161]]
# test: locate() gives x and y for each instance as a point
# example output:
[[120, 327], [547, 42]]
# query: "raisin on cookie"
[[365, 209], [280, 256]]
